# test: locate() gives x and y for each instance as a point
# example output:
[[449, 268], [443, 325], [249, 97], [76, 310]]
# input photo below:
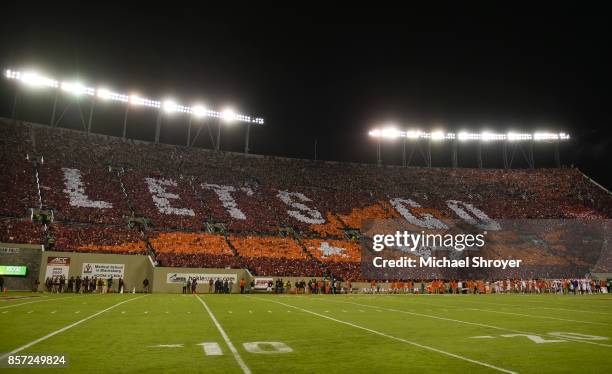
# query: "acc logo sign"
[[58, 260]]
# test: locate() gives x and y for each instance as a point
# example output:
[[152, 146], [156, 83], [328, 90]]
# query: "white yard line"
[[8, 299], [394, 337], [467, 322], [37, 301], [534, 307], [231, 347], [510, 313], [542, 317], [17, 350]]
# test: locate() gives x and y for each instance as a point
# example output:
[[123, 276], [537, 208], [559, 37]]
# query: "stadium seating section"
[[275, 216]]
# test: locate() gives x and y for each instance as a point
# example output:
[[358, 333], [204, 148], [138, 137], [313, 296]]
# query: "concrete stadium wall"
[[24, 255], [137, 267]]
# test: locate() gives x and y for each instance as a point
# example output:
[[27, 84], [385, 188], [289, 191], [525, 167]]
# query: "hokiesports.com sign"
[[202, 278], [57, 266], [103, 270]]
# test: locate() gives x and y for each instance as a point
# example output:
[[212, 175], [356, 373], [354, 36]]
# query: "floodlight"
[[32, 79], [76, 88], [198, 111], [488, 136], [463, 136], [375, 133], [513, 136], [413, 134], [103, 93], [390, 133], [437, 135], [228, 115], [170, 106], [136, 100], [549, 136]]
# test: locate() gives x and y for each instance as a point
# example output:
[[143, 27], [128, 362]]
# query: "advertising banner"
[[103, 270], [13, 270], [57, 266], [201, 278], [262, 283]]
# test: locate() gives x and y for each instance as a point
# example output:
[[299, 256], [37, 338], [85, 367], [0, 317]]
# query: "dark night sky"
[[463, 69]]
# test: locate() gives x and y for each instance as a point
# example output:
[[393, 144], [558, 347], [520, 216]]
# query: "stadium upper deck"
[[276, 216]]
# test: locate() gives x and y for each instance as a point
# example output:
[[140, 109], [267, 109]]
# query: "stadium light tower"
[[78, 89], [199, 111], [227, 116], [510, 138]]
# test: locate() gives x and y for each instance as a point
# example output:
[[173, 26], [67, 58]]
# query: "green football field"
[[312, 333]]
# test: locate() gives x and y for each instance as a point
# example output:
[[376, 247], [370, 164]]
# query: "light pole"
[[189, 130], [246, 140], [218, 143], [125, 118], [378, 155], [91, 110], [54, 110], [158, 126]]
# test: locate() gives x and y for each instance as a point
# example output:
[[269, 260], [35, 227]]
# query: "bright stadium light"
[[170, 106], [466, 136], [198, 110], [76, 88], [547, 136], [36, 80], [32, 79], [142, 101], [513, 136], [103, 93], [390, 133], [228, 115], [437, 135], [136, 100], [488, 136], [106, 94], [485, 136], [413, 134]]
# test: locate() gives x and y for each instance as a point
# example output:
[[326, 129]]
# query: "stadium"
[[121, 253]]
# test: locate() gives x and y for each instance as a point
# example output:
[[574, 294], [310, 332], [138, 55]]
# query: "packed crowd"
[[196, 250], [94, 184], [576, 286], [20, 231], [271, 255], [101, 239]]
